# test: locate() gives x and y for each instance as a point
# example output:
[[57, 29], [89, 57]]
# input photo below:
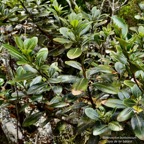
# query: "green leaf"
[[42, 55], [81, 84], [100, 130], [141, 31], [14, 52], [32, 119], [37, 88], [114, 103], [119, 67], [137, 124], [136, 91], [99, 68], [74, 53], [19, 43], [91, 113], [129, 83], [121, 24], [26, 76], [106, 88], [67, 78], [36, 80], [74, 64], [126, 114], [95, 13], [115, 126], [123, 94], [60, 105], [29, 68], [119, 57], [57, 90], [62, 40], [31, 43], [67, 33], [129, 102]]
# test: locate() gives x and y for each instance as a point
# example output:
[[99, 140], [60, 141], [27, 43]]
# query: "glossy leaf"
[[100, 130], [19, 43], [81, 84], [32, 119], [29, 68], [62, 40], [36, 80], [91, 113], [74, 53], [137, 123], [42, 55], [37, 88], [99, 68], [31, 43], [126, 114], [115, 126], [121, 24], [129, 83], [26, 76], [106, 88], [129, 102], [114, 103], [14, 52], [74, 64]]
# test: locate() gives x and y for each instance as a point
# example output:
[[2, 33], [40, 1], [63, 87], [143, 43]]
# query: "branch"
[[90, 98], [32, 18], [137, 83]]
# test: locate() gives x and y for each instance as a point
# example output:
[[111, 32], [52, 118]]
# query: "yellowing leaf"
[[76, 92]]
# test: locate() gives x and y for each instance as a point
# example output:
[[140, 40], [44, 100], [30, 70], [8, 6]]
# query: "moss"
[[128, 12]]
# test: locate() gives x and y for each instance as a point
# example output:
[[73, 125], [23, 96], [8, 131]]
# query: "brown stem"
[[32, 18], [90, 98], [137, 83]]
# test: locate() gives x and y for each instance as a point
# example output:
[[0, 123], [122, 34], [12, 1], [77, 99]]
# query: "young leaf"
[[126, 114], [14, 52], [74, 53], [91, 113], [41, 55], [32, 119], [30, 44], [19, 43], [121, 24], [67, 33]]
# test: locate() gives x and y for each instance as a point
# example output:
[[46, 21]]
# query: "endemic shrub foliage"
[[82, 71]]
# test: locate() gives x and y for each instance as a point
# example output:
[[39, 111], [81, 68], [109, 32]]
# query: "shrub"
[[74, 67]]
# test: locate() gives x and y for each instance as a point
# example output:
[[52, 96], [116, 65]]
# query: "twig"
[[137, 83], [17, 113], [32, 18], [90, 98]]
